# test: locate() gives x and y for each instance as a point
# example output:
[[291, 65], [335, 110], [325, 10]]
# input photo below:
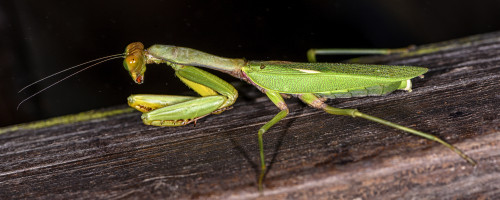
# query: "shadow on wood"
[[311, 154]]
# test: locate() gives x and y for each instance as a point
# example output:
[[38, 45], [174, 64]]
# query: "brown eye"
[[131, 61]]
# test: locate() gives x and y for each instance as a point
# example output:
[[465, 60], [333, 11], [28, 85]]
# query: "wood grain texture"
[[310, 154]]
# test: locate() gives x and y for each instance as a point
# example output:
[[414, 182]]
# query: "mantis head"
[[135, 62]]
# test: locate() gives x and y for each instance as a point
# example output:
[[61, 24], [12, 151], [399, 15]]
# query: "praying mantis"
[[312, 83]]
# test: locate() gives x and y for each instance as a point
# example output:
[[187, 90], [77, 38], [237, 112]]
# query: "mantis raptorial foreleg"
[[183, 113], [168, 110]]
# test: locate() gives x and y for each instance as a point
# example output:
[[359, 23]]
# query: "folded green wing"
[[290, 77]]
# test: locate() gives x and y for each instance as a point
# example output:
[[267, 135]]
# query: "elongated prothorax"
[[192, 57]]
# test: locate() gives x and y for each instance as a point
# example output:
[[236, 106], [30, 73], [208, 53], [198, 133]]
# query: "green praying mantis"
[[312, 83]]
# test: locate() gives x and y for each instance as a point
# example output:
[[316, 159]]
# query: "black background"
[[38, 38]]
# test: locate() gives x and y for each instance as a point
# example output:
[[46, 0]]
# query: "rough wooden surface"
[[312, 155]]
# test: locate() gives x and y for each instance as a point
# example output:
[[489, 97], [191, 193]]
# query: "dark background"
[[38, 38]]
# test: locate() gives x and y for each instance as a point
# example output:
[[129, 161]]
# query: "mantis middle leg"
[[277, 99]]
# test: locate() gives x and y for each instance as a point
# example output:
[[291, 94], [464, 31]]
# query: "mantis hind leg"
[[312, 53], [314, 101]]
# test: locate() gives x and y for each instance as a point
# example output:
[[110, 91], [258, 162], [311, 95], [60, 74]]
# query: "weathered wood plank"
[[311, 154]]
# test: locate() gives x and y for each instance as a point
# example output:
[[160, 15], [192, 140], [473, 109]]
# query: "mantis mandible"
[[312, 83]]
